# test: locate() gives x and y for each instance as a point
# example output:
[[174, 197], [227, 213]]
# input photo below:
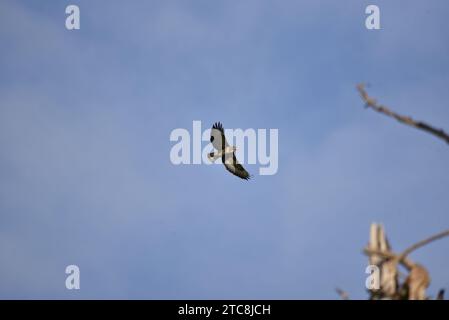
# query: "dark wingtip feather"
[[242, 177], [218, 126]]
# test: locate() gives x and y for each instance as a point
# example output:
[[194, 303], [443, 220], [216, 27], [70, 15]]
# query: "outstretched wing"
[[233, 166], [217, 137]]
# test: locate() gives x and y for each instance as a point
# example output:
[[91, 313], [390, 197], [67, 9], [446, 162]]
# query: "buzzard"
[[226, 152]]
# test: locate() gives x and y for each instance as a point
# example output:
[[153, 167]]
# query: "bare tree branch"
[[402, 258], [407, 263], [343, 294], [390, 286], [372, 103], [440, 295], [421, 243]]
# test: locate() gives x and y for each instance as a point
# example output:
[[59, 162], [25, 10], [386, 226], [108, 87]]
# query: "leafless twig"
[[421, 243], [390, 286], [407, 263], [402, 258], [343, 294], [372, 103]]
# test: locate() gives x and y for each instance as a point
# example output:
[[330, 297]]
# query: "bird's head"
[[210, 156]]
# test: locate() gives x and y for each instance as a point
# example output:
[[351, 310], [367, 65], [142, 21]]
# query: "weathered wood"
[[381, 255]]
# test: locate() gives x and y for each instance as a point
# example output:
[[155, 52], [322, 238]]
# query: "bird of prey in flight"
[[226, 152]]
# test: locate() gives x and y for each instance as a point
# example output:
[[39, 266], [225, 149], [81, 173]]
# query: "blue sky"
[[85, 120]]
